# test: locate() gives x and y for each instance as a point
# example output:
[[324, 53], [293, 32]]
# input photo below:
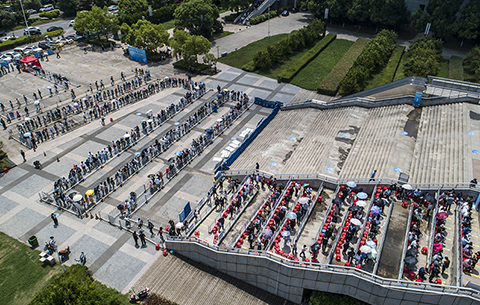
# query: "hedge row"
[[329, 85], [50, 15], [289, 74], [294, 41], [10, 44], [374, 56], [263, 17], [424, 57], [392, 65], [455, 68], [249, 66]]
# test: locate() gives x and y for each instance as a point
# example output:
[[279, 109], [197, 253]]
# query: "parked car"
[[3, 34], [58, 43], [6, 58], [46, 8], [20, 50], [71, 23], [45, 45], [54, 28], [65, 40], [71, 36], [32, 49], [31, 11], [13, 55], [32, 30]]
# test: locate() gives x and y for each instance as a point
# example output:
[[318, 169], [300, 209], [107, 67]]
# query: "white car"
[[71, 23], [13, 55], [6, 38], [6, 58], [32, 49]]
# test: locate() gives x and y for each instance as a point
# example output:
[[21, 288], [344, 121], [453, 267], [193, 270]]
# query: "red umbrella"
[[442, 215]]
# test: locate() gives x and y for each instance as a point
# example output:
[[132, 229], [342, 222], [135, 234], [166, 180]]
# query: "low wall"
[[288, 281]]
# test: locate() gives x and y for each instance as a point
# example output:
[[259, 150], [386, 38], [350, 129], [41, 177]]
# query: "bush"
[[163, 14], [290, 73], [392, 65], [374, 56], [249, 66], [231, 17], [99, 41], [424, 57], [330, 84], [327, 298], [198, 68], [455, 68], [10, 44], [76, 286], [472, 63], [263, 17], [50, 15]]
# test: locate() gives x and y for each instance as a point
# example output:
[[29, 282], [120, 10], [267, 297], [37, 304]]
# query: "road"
[[61, 23]]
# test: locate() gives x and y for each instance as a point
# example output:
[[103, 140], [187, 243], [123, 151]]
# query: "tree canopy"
[[468, 25], [130, 11], [145, 35], [96, 22], [236, 5], [190, 46], [443, 15], [68, 7], [472, 62], [198, 17], [424, 57]]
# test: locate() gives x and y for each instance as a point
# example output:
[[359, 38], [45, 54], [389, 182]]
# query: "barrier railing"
[[380, 249], [301, 225]]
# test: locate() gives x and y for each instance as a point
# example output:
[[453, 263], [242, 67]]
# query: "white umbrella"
[[291, 215], [371, 244], [407, 187], [127, 135], [150, 121], [366, 249], [179, 225], [362, 195], [77, 197], [286, 233], [361, 203], [26, 135], [373, 254], [351, 184], [36, 102], [303, 200], [114, 100], [219, 120], [27, 118], [49, 87], [355, 222]]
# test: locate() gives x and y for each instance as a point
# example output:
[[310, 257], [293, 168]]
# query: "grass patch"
[[280, 67], [222, 34], [242, 56], [331, 82], [443, 68], [455, 68], [400, 73], [169, 24], [22, 272], [288, 74], [387, 73], [316, 71], [4, 163]]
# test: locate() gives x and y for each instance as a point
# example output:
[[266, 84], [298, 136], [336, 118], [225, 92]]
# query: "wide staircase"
[[379, 144], [440, 151]]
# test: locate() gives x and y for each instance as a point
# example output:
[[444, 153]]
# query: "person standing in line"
[[372, 177], [302, 253], [142, 238], [445, 265], [55, 220], [135, 238]]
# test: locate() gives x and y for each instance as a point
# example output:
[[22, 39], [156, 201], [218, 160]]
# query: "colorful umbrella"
[[351, 184], [89, 193], [442, 215], [375, 210]]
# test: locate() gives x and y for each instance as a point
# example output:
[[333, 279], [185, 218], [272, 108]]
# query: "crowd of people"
[[95, 161], [470, 258]]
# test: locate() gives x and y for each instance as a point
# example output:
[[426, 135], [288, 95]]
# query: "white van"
[[48, 7]]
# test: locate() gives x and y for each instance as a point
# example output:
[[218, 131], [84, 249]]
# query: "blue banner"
[[137, 54], [186, 210], [418, 98]]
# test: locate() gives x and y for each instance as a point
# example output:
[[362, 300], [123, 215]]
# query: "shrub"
[[231, 17], [472, 63], [249, 66], [294, 68], [198, 68], [330, 84], [164, 13], [261, 18], [99, 41], [455, 68], [424, 57], [50, 15], [375, 55]]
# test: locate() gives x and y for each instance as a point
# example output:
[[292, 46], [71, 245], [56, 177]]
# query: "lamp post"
[[25, 18]]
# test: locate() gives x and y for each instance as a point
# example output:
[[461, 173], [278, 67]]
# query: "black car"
[[44, 45], [54, 28], [32, 31], [3, 34]]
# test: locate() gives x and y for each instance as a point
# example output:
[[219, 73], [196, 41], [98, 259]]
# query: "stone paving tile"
[[131, 120], [61, 233], [269, 84], [281, 97], [21, 222], [288, 88], [6, 205], [13, 175], [109, 229], [112, 133], [248, 79], [90, 246], [90, 146], [259, 93], [119, 270], [196, 186], [70, 143], [225, 76], [61, 168], [31, 186]]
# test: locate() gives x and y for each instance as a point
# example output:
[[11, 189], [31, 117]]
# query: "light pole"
[[218, 52], [268, 34], [25, 18]]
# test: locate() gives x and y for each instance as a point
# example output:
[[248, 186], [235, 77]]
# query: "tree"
[[68, 7], [27, 4], [7, 20], [423, 57], [178, 40], [130, 11], [443, 15], [145, 35], [359, 10], [236, 5], [472, 62], [419, 20], [392, 13], [197, 16], [96, 22], [194, 46], [468, 26], [210, 59]]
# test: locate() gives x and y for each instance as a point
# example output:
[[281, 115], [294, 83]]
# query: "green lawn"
[[169, 24], [22, 272], [443, 68], [455, 68], [244, 55], [400, 74], [222, 34], [385, 74], [314, 73]]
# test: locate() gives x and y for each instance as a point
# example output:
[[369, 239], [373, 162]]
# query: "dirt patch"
[[290, 153], [411, 126], [474, 116]]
